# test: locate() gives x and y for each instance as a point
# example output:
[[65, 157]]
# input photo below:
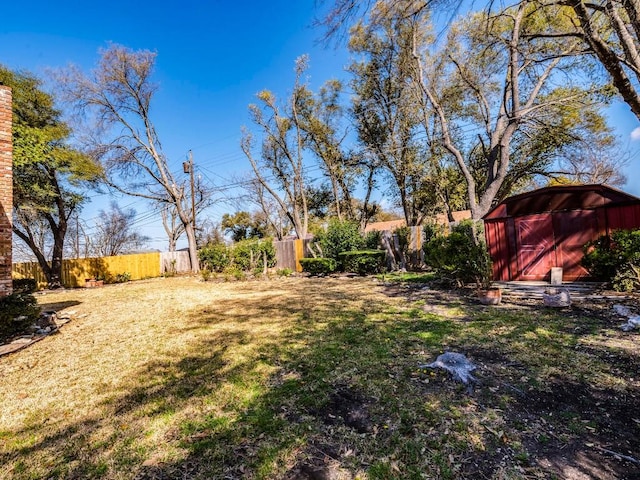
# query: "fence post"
[[299, 253]]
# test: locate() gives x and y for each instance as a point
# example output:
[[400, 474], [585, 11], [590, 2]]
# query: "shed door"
[[535, 253], [572, 231]]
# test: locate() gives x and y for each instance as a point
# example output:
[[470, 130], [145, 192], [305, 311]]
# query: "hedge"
[[363, 262], [318, 266]]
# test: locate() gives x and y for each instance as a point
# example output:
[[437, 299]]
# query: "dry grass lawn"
[[316, 378]]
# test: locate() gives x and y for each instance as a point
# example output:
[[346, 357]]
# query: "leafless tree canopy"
[[117, 95], [115, 234]]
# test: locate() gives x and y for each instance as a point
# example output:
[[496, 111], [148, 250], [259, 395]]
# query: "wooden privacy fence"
[[175, 262], [289, 252], [76, 271]]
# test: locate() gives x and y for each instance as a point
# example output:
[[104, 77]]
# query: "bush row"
[[244, 256], [342, 247]]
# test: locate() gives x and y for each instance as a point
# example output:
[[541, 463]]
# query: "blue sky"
[[213, 57]]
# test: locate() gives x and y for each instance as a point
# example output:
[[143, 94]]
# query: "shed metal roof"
[[561, 198]]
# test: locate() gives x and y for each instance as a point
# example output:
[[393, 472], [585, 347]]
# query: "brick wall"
[[6, 190]]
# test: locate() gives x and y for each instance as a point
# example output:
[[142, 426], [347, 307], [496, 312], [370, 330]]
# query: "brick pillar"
[[6, 190]]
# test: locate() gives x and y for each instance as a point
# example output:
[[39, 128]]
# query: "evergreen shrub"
[[615, 259], [24, 285], [318, 266], [214, 257], [458, 257], [372, 240], [363, 262], [340, 237], [17, 312]]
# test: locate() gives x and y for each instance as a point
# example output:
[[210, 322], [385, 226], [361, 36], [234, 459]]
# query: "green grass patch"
[[408, 277], [274, 380]]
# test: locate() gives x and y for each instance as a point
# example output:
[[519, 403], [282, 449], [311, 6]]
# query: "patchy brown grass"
[[316, 378]]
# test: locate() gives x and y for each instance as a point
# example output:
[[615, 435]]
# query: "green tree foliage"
[[340, 237], [244, 225], [499, 101], [615, 259], [388, 116], [458, 257], [47, 172], [506, 83]]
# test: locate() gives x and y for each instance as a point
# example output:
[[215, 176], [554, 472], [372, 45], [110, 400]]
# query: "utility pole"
[[188, 168]]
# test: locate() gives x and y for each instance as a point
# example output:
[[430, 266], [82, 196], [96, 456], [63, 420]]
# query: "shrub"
[[615, 259], [205, 274], [627, 279], [248, 255], [372, 240], [214, 257], [459, 258], [232, 272], [24, 285], [404, 239], [122, 277], [318, 266], [363, 262], [432, 230], [340, 237], [17, 312], [284, 272]]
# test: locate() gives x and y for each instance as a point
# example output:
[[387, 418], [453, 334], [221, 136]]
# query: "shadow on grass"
[[324, 381], [57, 306]]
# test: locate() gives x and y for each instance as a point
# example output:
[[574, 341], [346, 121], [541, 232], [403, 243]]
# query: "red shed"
[[528, 234]]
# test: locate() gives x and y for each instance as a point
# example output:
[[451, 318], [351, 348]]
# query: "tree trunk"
[[55, 276], [193, 249], [42, 261]]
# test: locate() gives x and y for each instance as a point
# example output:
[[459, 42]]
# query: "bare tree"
[[595, 162], [115, 234], [281, 169], [172, 225], [341, 15], [117, 95], [321, 119], [277, 220]]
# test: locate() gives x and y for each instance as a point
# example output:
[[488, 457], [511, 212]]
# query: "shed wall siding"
[[497, 241], [623, 217], [517, 258]]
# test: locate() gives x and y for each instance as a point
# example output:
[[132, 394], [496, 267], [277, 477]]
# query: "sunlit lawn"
[[304, 377]]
